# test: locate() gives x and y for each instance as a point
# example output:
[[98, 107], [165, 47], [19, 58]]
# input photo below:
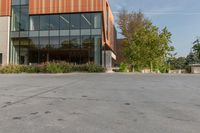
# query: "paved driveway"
[[99, 103]]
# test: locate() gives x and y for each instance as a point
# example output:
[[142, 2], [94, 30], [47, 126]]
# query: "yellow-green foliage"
[[51, 67]]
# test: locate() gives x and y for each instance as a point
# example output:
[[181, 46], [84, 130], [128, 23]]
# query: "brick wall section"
[[5, 6]]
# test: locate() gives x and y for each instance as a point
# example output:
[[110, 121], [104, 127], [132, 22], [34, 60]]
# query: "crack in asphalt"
[[38, 94]]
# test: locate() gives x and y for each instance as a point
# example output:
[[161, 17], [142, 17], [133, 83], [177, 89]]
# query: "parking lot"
[[99, 103]]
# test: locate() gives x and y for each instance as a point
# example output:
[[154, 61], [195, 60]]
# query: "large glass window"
[[16, 2], [75, 41], [44, 22], [15, 18], [35, 23], [20, 18], [44, 42], [67, 37], [24, 2], [96, 20], [20, 2], [54, 22], [64, 41], [64, 22], [75, 21], [34, 42], [86, 21], [33, 51], [96, 43], [24, 42], [86, 41], [54, 42], [24, 21]]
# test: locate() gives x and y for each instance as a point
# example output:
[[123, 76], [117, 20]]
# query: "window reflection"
[[75, 21], [54, 22], [54, 42], [44, 22], [75, 41], [24, 25], [64, 41], [64, 22], [86, 21], [44, 42], [69, 37], [15, 18], [34, 42], [35, 23]]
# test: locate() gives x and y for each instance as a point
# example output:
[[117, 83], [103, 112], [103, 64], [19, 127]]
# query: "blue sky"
[[182, 17]]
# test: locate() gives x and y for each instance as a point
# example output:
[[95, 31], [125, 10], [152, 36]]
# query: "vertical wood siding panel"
[[57, 6], [0, 7], [5, 6], [48, 7], [37, 7], [43, 6], [51, 6], [96, 5], [40, 5], [84, 5], [80, 4], [76, 5], [63, 6], [72, 6], [87, 5], [90, 5], [60, 6], [54, 6]]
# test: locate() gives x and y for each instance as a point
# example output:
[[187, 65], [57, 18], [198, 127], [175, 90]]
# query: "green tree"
[[191, 58], [196, 48], [177, 63], [147, 46]]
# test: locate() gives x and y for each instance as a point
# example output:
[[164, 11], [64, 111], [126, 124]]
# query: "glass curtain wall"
[[19, 27], [74, 38]]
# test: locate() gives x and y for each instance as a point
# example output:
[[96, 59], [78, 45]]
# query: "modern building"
[[37, 31]]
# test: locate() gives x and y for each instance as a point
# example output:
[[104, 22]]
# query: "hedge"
[[52, 67]]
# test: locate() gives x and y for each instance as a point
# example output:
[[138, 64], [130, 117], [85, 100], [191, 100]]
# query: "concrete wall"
[[195, 69], [109, 57], [4, 38]]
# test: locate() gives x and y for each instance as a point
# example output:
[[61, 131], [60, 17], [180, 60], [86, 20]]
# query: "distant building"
[[75, 31], [195, 68]]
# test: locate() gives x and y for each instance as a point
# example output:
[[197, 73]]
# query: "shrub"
[[58, 67], [94, 68], [52, 67], [32, 69], [55, 68], [123, 67], [11, 69]]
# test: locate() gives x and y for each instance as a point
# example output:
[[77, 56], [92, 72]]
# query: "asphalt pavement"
[[99, 103]]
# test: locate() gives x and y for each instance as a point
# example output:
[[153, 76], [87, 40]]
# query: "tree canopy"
[[196, 48], [147, 46]]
